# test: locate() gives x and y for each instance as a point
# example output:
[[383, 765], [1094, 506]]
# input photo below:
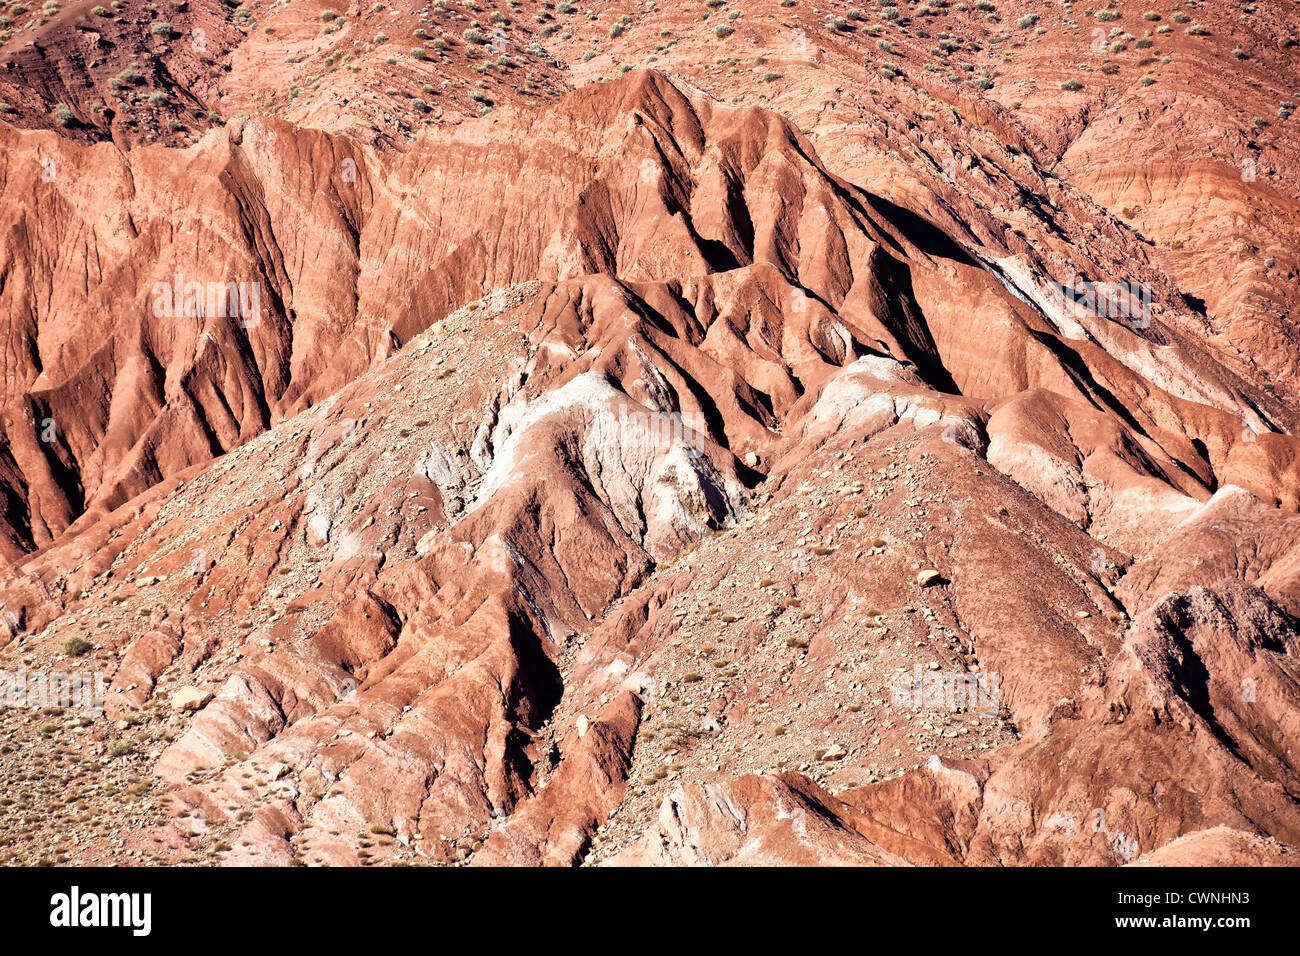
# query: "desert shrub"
[[75, 646]]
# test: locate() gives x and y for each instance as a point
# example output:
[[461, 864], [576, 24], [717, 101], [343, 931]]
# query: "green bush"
[[75, 646]]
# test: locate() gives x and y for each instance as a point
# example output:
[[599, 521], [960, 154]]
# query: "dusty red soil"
[[586, 472]]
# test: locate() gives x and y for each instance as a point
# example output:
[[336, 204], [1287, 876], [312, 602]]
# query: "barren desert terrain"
[[724, 432]]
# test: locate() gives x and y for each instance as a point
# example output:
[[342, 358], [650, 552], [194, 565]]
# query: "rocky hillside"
[[799, 448]]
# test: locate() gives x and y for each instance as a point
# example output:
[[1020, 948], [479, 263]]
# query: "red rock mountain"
[[833, 441]]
